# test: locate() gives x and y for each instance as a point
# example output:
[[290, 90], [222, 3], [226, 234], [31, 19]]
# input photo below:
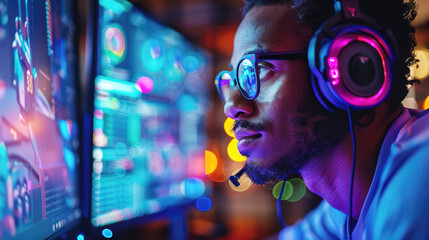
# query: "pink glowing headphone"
[[351, 61]]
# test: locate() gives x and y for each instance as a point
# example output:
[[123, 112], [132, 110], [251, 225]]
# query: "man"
[[282, 127]]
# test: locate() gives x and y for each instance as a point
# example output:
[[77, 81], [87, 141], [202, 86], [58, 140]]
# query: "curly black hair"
[[395, 15]]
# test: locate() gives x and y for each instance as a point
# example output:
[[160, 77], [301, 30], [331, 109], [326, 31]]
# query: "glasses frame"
[[254, 58]]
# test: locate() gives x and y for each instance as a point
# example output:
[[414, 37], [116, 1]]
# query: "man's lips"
[[242, 134], [245, 138]]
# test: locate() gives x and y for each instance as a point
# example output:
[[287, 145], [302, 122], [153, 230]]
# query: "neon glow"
[[122, 88], [333, 62], [346, 37], [211, 162], [334, 73]]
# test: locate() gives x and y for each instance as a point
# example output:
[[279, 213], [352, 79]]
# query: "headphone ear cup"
[[351, 66]]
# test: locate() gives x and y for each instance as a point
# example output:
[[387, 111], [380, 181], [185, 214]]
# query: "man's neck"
[[330, 175]]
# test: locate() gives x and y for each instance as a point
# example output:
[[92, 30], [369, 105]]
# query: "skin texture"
[[286, 130]]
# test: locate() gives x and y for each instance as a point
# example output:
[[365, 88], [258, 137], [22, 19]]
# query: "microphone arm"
[[234, 178]]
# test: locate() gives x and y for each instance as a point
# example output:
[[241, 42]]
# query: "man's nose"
[[237, 106]]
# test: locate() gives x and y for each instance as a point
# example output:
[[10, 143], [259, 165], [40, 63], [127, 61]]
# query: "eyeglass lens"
[[247, 79]]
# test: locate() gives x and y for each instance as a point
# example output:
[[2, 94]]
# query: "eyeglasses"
[[246, 74]]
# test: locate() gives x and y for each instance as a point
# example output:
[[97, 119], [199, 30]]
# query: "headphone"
[[351, 59]]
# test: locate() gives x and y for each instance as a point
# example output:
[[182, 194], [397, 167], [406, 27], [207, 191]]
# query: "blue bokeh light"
[[204, 204], [191, 62], [188, 103], [152, 55], [80, 237], [193, 188], [107, 233]]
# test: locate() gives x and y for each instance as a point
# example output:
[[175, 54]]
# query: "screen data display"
[[38, 129], [148, 119]]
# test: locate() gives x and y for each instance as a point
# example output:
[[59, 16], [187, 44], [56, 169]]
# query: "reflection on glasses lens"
[[226, 85], [247, 79]]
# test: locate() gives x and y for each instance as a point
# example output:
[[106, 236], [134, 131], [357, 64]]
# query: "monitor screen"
[[39, 124], [148, 116]]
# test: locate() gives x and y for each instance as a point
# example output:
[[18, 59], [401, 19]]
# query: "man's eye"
[[265, 69]]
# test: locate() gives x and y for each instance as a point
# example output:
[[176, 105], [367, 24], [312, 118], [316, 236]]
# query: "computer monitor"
[[147, 120], [39, 140]]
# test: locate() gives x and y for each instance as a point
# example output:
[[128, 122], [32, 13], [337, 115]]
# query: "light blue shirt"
[[397, 204]]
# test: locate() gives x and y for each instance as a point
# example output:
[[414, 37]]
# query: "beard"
[[316, 131]]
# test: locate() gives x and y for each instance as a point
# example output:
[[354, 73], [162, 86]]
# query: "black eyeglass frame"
[[254, 58]]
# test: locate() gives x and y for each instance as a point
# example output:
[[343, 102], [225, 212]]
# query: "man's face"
[[285, 126]]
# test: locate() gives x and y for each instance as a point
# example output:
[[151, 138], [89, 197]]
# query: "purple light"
[[345, 37], [332, 62], [334, 74], [144, 84]]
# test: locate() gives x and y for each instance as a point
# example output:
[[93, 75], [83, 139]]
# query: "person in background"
[[315, 89]]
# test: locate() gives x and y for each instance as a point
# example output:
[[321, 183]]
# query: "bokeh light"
[[99, 138], [233, 152], [188, 103], [196, 164], [299, 189], [192, 188], [115, 43], [66, 128], [245, 183], [173, 68], [421, 71], [80, 237], [211, 162], [114, 103], [204, 204], [191, 62], [152, 55], [426, 103], [228, 125], [144, 84], [287, 192], [107, 233], [97, 154]]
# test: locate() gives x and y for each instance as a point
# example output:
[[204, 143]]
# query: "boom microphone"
[[234, 178]]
